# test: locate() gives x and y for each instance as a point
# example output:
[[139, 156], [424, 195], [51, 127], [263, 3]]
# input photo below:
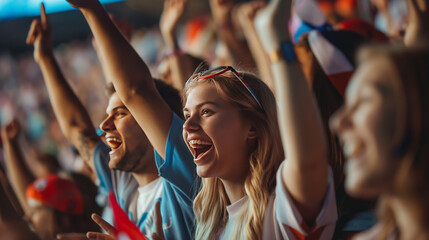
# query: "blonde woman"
[[232, 131]]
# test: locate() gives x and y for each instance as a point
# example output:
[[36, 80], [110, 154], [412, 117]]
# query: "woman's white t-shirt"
[[282, 218]]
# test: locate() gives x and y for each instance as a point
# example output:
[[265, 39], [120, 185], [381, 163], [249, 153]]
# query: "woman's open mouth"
[[200, 148]]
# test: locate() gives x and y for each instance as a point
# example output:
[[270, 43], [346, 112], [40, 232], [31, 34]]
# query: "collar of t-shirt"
[[235, 208]]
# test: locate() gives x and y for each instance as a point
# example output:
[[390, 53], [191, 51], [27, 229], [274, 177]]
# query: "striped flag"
[[333, 62], [307, 16]]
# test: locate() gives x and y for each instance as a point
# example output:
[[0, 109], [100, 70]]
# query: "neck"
[[234, 190], [405, 217], [147, 173], [144, 179]]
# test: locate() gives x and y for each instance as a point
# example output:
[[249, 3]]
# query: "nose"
[[191, 124], [107, 124], [339, 121]]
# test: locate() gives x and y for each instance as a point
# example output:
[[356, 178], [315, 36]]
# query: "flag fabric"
[[125, 229], [307, 16], [333, 62]]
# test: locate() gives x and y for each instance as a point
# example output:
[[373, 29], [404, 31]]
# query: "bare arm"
[[129, 74], [238, 49], [17, 171], [306, 170], [246, 15], [71, 114], [180, 65]]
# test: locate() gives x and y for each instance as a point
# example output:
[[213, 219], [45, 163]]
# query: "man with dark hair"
[[126, 163]]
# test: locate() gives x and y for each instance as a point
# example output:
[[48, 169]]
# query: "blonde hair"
[[265, 158], [411, 181]]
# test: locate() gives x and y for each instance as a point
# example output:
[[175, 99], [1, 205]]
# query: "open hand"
[[247, 12], [173, 11], [40, 35], [221, 10], [11, 130], [271, 24]]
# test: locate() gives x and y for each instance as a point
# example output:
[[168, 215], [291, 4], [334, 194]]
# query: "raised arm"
[[246, 15], [238, 49], [306, 171], [129, 74], [17, 171], [69, 111], [180, 65]]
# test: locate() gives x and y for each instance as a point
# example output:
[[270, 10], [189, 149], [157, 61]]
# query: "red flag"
[[125, 228]]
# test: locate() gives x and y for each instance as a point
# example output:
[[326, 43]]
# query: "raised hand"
[[105, 226], [272, 24], [173, 11], [11, 130], [159, 234], [417, 31], [221, 10], [247, 13], [40, 36]]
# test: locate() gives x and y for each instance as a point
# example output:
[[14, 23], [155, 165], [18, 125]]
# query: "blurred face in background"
[[370, 126]]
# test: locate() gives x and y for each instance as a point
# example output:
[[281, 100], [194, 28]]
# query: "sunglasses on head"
[[211, 73]]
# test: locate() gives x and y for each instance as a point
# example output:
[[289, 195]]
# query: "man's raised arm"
[[129, 74], [71, 114]]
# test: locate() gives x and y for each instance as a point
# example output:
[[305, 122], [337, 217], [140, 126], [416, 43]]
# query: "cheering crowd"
[[305, 120]]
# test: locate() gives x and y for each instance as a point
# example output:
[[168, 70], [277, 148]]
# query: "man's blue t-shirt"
[[180, 185]]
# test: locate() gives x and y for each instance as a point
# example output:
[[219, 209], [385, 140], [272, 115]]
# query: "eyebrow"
[[201, 104], [117, 108]]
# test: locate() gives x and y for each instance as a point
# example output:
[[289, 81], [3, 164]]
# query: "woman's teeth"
[[198, 143]]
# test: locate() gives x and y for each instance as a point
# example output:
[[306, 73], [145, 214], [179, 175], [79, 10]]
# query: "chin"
[[115, 163], [204, 172]]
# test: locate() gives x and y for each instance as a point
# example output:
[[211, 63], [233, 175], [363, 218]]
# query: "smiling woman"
[[384, 126], [236, 144]]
